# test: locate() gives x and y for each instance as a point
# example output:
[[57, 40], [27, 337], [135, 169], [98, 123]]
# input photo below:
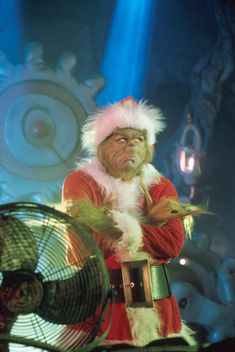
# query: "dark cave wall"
[[78, 26], [184, 31]]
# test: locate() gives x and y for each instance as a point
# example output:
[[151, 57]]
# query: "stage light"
[[126, 56]]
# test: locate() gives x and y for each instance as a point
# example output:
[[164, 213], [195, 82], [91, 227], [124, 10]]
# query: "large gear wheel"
[[39, 126], [42, 112]]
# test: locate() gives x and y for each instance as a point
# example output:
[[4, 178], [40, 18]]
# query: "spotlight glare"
[[126, 55]]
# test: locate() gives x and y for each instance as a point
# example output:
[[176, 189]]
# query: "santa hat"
[[125, 114]]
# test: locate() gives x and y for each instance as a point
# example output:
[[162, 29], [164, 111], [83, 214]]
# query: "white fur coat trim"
[[114, 186], [149, 336], [127, 248], [125, 197], [144, 324]]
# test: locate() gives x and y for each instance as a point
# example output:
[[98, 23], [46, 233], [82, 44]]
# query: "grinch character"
[[134, 216]]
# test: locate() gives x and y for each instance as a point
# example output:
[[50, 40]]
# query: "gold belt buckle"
[[137, 283]]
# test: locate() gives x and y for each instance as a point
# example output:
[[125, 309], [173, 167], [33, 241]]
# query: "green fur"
[[97, 218]]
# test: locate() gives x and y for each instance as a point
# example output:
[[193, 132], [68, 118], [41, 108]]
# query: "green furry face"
[[124, 152]]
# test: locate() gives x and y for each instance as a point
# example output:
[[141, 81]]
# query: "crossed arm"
[[160, 231]]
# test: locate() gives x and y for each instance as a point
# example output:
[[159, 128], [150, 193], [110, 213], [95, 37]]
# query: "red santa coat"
[[137, 326]]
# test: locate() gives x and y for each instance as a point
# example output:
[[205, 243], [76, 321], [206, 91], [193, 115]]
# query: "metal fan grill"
[[42, 297]]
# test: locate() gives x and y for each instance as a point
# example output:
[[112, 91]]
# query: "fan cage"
[[40, 241]]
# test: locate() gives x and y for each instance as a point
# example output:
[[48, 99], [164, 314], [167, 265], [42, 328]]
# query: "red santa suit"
[[137, 326]]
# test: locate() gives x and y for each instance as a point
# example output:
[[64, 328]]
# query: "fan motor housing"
[[23, 291]]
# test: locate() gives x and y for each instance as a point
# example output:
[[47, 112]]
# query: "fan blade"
[[72, 300], [18, 246]]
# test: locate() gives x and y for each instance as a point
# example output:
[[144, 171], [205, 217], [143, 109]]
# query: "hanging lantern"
[[188, 154]]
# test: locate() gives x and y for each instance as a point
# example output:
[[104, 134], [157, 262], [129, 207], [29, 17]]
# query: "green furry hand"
[[96, 218]]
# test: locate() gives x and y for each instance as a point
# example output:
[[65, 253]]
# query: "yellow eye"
[[139, 139], [121, 140]]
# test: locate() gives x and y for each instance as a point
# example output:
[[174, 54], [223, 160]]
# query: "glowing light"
[[182, 261], [187, 162], [126, 55], [190, 163]]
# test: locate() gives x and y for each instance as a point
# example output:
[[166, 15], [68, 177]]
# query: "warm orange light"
[[187, 161], [188, 155]]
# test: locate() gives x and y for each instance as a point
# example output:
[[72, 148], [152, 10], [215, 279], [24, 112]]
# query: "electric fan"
[[44, 301]]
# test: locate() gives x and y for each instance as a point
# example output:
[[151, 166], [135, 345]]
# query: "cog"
[[42, 111]]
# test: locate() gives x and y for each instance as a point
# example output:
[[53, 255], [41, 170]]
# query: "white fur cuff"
[[131, 241]]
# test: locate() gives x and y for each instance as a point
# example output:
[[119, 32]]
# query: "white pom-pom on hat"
[[125, 114]]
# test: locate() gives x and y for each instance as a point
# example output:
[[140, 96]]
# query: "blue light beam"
[[127, 52], [11, 29]]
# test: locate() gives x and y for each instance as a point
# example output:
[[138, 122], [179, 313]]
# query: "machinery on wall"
[[42, 111], [204, 286]]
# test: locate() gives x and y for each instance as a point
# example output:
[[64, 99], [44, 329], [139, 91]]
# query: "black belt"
[[142, 285]]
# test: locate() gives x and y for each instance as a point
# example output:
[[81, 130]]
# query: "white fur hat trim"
[[124, 114]]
